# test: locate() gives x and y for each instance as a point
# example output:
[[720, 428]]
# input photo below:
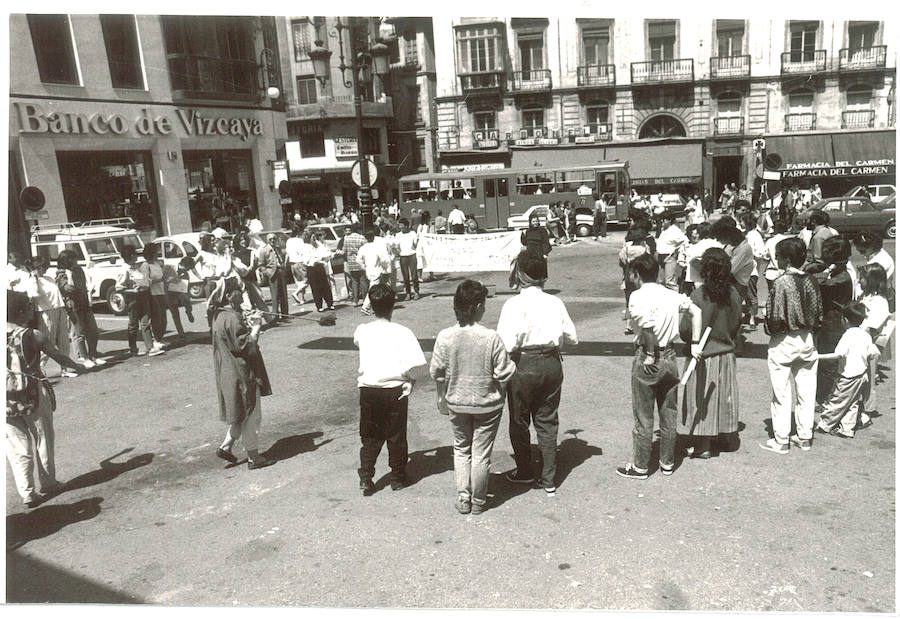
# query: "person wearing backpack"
[[29, 401]]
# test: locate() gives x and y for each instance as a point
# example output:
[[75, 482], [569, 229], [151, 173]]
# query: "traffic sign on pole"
[[356, 175]]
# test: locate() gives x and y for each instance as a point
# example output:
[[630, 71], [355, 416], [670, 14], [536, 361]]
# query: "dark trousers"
[[409, 269], [139, 320], [318, 283], [457, 229], [533, 394], [83, 332], [174, 305], [358, 286], [600, 226], [158, 309], [382, 418], [278, 292], [659, 389]]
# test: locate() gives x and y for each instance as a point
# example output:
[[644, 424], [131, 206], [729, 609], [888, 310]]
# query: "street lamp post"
[[361, 65]]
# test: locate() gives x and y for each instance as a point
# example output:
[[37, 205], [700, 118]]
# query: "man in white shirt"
[[758, 247], [456, 221], [407, 241], [694, 252], [51, 307], [533, 325], [298, 253], [376, 261], [655, 314], [779, 234], [670, 243], [869, 244], [18, 278]]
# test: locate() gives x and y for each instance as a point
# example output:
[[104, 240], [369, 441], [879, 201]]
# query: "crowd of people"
[[828, 325]]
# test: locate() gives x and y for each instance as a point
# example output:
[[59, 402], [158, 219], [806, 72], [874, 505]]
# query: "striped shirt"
[[352, 243]]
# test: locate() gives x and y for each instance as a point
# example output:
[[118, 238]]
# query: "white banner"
[[469, 253]]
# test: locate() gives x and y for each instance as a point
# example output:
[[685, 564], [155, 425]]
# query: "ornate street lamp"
[[362, 64]]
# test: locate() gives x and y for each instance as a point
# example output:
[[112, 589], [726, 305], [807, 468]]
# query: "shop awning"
[[653, 163], [802, 151], [861, 149], [868, 153]]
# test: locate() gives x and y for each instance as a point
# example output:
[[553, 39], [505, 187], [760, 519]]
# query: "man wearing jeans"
[[533, 325], [671, 241], [406, 242], [355, 271], [655, 314]]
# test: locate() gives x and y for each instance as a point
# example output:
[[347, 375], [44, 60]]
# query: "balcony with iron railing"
[[862, 58], [662, 71], [481, 82], [339, 106], [596, 75], [729, 67], [857, 119], [531, 80], [196, 76], [532, 132], [800, 122], [729, 125], [800, 61]]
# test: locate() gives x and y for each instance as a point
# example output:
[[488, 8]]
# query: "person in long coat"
[[241, 377]]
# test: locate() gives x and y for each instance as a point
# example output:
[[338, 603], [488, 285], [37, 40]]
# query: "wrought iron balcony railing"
[[662, 71], [729, 125], [729, 67], [531, 80], [481, 81], [597, 75], [857, 119], [800, 61], [862, 58], [800, 122]]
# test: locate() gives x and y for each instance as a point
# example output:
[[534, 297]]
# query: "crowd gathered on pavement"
[[829, 326]]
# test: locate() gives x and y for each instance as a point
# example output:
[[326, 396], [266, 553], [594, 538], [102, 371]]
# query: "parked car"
[[518, 222], [875, 193], [173, 248], [850, 215], [98, 245], [674, 203]]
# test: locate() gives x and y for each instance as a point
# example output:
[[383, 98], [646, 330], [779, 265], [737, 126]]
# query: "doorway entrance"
[[726, 170]]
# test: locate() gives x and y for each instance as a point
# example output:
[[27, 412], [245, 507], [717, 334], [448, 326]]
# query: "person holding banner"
[[456, 221], [533, 325], [710, 405]]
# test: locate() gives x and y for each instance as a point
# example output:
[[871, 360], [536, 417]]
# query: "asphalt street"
[[150, 515]]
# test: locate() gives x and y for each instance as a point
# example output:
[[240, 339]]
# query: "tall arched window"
[[663, 126]]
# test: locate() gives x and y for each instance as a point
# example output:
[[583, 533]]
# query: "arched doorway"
[[663, 126]]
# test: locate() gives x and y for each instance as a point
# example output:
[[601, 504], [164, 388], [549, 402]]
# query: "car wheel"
[[890, 230], [584, 230], [115, 300], [196, 290]]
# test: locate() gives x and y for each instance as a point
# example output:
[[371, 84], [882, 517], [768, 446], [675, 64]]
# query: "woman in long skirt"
[[241, 378], [710, 406]]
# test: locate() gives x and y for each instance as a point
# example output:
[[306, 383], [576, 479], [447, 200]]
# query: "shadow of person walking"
[[428, 462], [290, 446], [47, 520], [572, 453], [108, 470]]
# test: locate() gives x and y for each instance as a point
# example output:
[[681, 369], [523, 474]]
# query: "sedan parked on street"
[[856, 214]]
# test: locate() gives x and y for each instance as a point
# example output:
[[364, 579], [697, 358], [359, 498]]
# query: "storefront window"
[[220, 184], [107, 184]]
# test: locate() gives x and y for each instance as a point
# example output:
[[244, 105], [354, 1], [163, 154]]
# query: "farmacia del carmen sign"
[[874, 167]]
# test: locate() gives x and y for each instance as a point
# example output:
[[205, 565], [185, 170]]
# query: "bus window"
[[527, 184], [572, 180], [488, 188], [502, 188], [608, 183]]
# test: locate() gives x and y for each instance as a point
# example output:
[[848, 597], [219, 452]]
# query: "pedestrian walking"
[[297, 252], [670, 244], [470, 367], [424, 227], [154, 273], [854, 352], [655, 315], [318, 269], [793, 313], [836, 288], [878, 324], [241, 377], [407, 241], [30, 402], [599, 227], [355, 271], [376, 261], [135, 288], [533, 326], [83, 332], [710, 407], [51, 307], [387, 353], [246, 264], [758, 249], [273, 266]]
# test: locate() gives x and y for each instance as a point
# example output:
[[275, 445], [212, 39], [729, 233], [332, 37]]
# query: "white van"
[[98, 245]]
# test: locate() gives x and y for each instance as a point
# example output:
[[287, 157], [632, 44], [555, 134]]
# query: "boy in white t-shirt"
[[854, 350], [387, 353]]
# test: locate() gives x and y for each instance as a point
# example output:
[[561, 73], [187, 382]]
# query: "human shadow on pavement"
[[108, 471], [289, 446], [572, 453], [428, 462], [31, 580], [47, 520], [500, 490]]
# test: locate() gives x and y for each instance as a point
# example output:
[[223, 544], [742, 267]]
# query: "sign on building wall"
[[345, 147], [33, 118]]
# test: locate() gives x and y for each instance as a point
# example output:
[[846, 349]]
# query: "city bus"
[[496, 196]]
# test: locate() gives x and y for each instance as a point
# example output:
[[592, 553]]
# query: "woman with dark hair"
[[72, 283], [470, 367], [836, 287], [246, 265], [424, 227], [241, 377], [319, 272], [710, 406], [153, 273]]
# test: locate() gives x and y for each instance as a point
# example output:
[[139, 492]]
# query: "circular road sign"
[[356, 176], [31, 199]]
